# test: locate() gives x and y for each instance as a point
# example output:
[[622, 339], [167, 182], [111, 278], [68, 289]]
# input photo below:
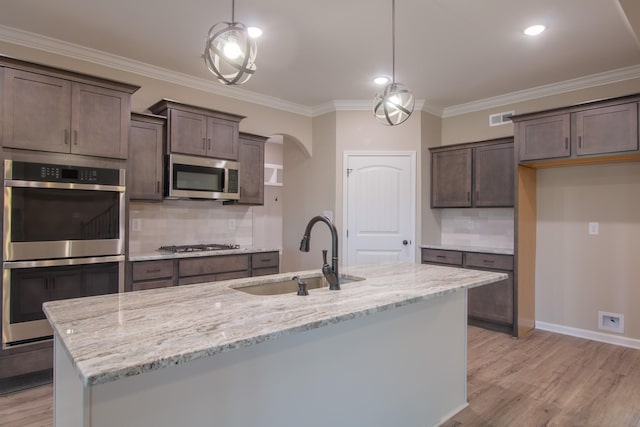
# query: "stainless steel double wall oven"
[[63, 237]]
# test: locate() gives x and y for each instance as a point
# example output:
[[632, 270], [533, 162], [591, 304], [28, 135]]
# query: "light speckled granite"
[[150, 256], [115, 336], [479, 249]]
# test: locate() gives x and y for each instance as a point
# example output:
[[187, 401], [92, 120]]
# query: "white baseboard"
[[590, 335]]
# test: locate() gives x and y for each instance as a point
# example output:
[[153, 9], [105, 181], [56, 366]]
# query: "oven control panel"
[[59, 173]]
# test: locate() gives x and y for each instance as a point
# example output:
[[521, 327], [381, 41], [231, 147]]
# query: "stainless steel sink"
[[291, 285]]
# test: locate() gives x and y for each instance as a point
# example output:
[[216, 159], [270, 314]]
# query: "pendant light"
[[395, 104], [230, 52]]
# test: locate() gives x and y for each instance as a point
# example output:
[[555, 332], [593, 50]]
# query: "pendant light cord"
[[233, 11], [393, 41]]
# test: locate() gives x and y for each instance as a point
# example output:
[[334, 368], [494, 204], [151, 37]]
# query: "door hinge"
[[347, 233], [349, 172]]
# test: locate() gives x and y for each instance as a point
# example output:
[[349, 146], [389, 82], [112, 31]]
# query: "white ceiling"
[[449, 52]]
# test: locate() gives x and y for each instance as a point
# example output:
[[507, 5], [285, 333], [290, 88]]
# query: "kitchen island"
[[387, 350]]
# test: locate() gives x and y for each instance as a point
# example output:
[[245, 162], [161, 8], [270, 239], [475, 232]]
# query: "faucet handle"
[[302, 286]]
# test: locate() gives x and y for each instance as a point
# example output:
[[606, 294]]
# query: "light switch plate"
[[594, 228], [136, 224]]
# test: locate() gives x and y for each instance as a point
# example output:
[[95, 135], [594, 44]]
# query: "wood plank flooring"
[[543, 379]]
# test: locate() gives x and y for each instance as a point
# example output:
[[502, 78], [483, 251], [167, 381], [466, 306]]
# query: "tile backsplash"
[[492, 228], [181, 222]]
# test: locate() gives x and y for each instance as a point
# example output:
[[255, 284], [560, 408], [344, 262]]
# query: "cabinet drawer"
[[265, 259], [148, 270], [153, 284], [498, 262], [265, 271], [196, 279], [232, 275], [441, 256], [492, 302], [210, 265]]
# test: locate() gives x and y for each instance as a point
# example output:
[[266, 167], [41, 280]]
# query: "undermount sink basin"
[[291, 285]]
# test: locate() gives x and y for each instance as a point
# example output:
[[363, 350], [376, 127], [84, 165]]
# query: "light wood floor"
[[543, 379]]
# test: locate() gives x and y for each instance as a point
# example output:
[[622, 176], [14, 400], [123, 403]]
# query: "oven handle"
[[63, 185], [61, 262]]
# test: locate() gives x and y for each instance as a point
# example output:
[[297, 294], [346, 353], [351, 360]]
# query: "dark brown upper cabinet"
[[606, 130], [593, 132], [473, 175], [251, 159], [47, 109], [545, 137], [146, 140], [199, 131]]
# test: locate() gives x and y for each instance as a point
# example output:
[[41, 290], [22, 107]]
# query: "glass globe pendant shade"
[[230, 53], [394, 105]]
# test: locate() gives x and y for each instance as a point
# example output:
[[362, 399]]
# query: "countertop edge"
[[478, 249], [158, 255]]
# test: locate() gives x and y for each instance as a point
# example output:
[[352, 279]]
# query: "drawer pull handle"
[[488, 261], [265, 260], [440, 256], [154, 270]]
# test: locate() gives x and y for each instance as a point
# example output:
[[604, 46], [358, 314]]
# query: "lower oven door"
[[28, 284]]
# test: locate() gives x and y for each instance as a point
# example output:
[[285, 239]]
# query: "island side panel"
[[404, 366], [70, 397]]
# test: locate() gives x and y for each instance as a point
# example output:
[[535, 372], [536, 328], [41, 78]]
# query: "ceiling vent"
[[500, 118]]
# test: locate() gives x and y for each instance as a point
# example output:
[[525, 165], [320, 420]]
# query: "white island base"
[[404, 366]]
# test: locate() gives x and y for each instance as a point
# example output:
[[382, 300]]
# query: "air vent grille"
[[500, 118]]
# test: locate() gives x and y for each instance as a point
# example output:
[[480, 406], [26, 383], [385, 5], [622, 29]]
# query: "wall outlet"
[[613, 322], [231, 224], [594, 228], [136, 224]]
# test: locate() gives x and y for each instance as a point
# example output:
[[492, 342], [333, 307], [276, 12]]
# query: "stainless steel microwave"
[[201, 178]]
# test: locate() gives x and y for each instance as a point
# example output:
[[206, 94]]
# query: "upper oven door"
[[62, 220]]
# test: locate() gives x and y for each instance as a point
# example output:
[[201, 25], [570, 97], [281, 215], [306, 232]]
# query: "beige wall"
[[309, 189], [431, 136], [359, 131], [577, 274]]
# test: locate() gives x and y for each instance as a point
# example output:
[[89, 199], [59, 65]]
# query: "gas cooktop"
[[199, 248]]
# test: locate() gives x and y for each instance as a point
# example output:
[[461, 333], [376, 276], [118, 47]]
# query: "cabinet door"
[[37, 111], [544, 138], [493, 302], [187, 132], [145, 161], [494, 175], [607, 130], [222, 138], [100, 121], [251, 159], [451, 178]]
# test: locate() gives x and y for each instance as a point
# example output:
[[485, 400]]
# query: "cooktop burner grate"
[[199, 248]]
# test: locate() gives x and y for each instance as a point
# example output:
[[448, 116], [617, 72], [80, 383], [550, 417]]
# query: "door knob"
[[405, 242]]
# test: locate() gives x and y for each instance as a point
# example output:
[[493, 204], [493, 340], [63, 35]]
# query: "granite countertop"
[[479, 249], [154, 255], [109, 337]]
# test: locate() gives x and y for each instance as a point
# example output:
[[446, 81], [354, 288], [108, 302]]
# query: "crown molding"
[[39, 42], [586, 82]]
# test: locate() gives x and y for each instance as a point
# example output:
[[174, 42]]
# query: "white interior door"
[[379, 200]]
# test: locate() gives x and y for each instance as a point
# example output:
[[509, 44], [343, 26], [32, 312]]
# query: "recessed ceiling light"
[[381, 80], [254, 32], [534, 30]]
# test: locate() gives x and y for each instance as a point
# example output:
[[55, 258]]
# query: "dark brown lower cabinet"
[[489, 306], [200, 269]]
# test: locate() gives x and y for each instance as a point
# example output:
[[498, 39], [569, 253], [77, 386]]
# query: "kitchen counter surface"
[[155, 255], [484, 250], [115, 336]]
